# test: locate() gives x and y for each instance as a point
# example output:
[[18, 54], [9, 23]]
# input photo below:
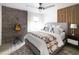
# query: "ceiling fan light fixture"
[[40, 8]]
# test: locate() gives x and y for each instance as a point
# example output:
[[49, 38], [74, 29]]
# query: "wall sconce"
[[17, 27]]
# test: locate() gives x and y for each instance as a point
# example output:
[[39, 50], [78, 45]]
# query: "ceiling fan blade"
[[49, 6]]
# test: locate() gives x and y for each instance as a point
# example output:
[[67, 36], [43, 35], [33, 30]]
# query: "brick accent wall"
[[10, 17]]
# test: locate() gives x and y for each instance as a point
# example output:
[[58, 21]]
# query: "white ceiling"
[[31, 6]]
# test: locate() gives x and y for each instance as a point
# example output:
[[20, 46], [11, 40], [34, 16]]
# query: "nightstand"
[[73, 40]]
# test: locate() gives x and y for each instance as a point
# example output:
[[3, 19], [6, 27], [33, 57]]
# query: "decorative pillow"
[[46, 29], [52, 28]]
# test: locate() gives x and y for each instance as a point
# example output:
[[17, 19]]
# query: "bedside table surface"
[[72, 37]]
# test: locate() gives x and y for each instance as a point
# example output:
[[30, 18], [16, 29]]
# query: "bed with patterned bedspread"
[[45, 43]]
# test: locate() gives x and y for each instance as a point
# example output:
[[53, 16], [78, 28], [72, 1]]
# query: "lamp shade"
[[73, 26]]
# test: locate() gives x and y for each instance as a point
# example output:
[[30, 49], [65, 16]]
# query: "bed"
[[49, 40]]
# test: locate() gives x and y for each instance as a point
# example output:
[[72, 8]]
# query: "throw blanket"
[[49, 39]]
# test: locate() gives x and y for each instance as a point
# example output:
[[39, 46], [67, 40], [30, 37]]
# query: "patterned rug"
[[67, 50], [24, 50]]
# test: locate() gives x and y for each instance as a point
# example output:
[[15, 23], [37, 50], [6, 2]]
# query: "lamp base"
[[73, 34]]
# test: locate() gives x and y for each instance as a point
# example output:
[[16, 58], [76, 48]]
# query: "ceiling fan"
[[41, 7]]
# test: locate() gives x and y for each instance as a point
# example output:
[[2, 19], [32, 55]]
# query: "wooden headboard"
[[69, 15]]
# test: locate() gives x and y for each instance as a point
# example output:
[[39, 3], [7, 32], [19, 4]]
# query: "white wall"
[[31, 25], [0, 23], [50, 15]]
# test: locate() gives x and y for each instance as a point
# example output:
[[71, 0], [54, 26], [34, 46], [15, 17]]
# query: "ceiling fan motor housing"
[[40, 6]]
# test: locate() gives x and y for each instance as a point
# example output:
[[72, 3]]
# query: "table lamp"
[[73, 27]]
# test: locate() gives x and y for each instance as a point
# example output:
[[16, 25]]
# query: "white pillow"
[[46, 29], [58, 29], [62, 35]]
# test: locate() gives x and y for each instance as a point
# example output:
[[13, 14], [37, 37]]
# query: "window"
[[35, 19], [35, 24]]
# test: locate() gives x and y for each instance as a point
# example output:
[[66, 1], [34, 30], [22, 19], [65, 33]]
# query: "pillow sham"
[[62, 35], [58, 29]]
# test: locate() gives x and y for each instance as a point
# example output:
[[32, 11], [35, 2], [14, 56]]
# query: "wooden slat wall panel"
[[64, 15], [59, 15], [77, 18], [69, 15], [77, 13]]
